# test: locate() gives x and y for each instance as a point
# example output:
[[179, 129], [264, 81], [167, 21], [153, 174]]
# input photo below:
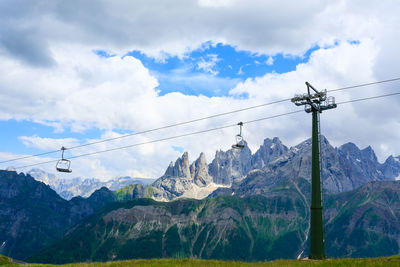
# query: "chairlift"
[[63, 165], [239, 138]]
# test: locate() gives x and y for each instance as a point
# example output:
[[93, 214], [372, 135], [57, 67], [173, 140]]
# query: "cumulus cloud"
[[47, 143], [50, 75], [173, 27], [208, 64], [270, 61], [120, 93]]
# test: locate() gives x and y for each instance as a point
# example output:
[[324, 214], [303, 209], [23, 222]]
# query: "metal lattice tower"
[[315, 102]]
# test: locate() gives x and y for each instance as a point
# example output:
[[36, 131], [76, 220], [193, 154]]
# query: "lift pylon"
[[315, 102]]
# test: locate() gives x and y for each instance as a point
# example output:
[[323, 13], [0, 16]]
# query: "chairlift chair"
[[63, 165], [239, 139]]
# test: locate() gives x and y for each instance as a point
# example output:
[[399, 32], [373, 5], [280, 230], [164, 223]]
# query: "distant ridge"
[[84, 187]]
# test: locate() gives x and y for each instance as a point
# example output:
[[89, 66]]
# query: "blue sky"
[[217, 68], [211, 70], [126, 67], [227, 67]]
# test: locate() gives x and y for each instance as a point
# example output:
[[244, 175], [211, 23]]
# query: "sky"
[[76, 72]]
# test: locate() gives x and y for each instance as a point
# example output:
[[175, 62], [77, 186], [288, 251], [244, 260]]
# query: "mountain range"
[[360, 223], [84, 187], [32, 215], [236, 171], [252, 207], [344, 168]]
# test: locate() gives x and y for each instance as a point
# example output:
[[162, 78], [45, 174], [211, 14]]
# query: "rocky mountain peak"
[[181, 168], [391, 167], [342, 169], [199, 171], [231, 165], [368, 154], [269, 151], [184, 180], [349, 150], [202, 159], [392, 160]]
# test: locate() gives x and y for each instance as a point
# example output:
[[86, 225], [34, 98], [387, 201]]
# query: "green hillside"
[[226, 227], [4, 260], [361, 223], [393, 261]]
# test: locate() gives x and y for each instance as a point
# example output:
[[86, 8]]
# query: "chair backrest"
[[63, 165]]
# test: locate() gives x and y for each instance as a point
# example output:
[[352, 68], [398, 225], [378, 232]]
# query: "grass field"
[[366, 262]]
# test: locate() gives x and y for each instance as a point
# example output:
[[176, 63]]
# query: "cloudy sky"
[[73, 72]]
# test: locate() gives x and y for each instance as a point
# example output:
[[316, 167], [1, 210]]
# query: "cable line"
[[365, 84], [190, 121], [203, 131], [150, 130], [367, 98], [30, 156], [164, 139]]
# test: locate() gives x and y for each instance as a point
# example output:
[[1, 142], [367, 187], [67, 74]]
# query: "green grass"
[[393, 261], [4, 260]]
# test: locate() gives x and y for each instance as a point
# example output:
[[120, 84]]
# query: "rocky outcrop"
[[199, 171], [181, 168], [182, 179], [391, 168], [230, 166], [343, 169], [269, 151]]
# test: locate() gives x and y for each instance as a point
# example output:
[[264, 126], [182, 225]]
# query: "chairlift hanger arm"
[[239, 139], [310, 86], [240, 131]]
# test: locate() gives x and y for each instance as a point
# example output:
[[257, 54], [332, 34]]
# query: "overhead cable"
[[364, 84], [204, 131], [163, 139], [188, 122]]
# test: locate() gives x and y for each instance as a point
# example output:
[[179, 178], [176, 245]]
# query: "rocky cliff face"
[[182, 179], [271, 150], [391, 168], [343, 169], [199, 171], [296, 163], [230, 166]]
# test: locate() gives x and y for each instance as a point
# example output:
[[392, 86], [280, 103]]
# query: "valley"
[[259, 210]]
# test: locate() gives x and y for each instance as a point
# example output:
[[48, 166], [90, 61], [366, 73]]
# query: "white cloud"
[[174, 27], [82, 90], [240, 72], [209, 64], [215, 3], [106, 100], [270, 61], [65, 85], [47, 143]]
